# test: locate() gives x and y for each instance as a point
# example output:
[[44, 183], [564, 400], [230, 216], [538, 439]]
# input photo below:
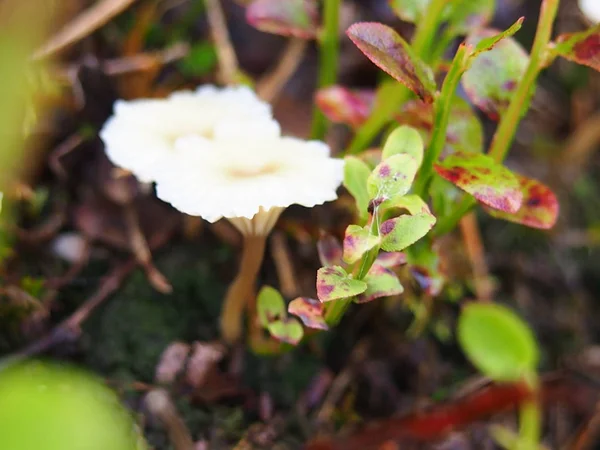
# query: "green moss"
[[126, 337]]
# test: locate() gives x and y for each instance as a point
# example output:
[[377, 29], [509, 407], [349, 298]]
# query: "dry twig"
[[228, 63], [271, 85], [476, 252], [83, 25]]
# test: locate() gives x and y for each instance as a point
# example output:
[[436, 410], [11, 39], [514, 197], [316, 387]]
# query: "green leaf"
[[270, 306], [404, 139], [356, 174], [333, 283], [201, 59], [483, 178], [493, 76], [392, 177], [412, 203], [310, 311], [462, 15], [381, 282], [582, 48], [400, 232], [488, 43], [464, 132], [357, 242], [467, 15], [298, 18], [348, 106], [288, 330], [390, 259], [539, 208], [497, 342], [386, 49]]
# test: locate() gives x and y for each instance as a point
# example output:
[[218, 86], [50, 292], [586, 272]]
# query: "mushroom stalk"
[[240, 290]]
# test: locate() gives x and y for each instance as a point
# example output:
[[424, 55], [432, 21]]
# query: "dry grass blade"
[[271, 85], [83, 25], [228, 63]]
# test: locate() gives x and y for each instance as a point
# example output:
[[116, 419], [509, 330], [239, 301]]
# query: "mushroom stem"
[[240, 290]]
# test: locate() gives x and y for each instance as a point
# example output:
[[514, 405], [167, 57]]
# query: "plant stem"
[[443, 106], [328, 61], [240, 290], [505, 133], [530, 417], [421, 44]]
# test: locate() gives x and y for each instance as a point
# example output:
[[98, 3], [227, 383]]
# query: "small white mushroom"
[[590, 9]]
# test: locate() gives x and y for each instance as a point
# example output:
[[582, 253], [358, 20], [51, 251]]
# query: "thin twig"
[[271, 85], [476, 253], [159, 403], [228, 63], [83, 25], [284, 265]]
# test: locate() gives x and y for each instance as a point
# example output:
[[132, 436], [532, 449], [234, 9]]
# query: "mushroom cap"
[[240, 178], [591, 9], [141, 134]]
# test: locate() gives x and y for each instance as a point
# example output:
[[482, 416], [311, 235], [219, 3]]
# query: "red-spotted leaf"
[[384, 47], [330, 250], [334, 283], [288, 330], [400, 232], [479, 175], [348, 106], [270, 306], [381, 282], [310, 312], [392, 177], [390, 260], [357, 242], [411, 203], [539, 208], [404, 139], [493, 76], [582, 48], [297, 18], [356, 174]]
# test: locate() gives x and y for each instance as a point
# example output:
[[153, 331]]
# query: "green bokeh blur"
[[54, 407]]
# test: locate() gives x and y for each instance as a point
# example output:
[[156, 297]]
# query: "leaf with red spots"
[[539, 209], [287, 330], [270, 306], [464, 127], [493, 75], [479, 175], [385, 48], [357, 242], [330, 251], [404, 139], [392, 177], [381, 282], [582, 48], [356, 174], [390, 260], [348, 106], [400, 232], [297, 18], [334, 283], [310, 312]]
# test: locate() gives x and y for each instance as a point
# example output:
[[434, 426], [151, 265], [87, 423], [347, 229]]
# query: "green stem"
[[530, 417], [505, 133], [443, 106], [421, 44], [328, 61]]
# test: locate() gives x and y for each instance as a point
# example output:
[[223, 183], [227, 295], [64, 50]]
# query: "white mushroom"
[[591, 9]]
